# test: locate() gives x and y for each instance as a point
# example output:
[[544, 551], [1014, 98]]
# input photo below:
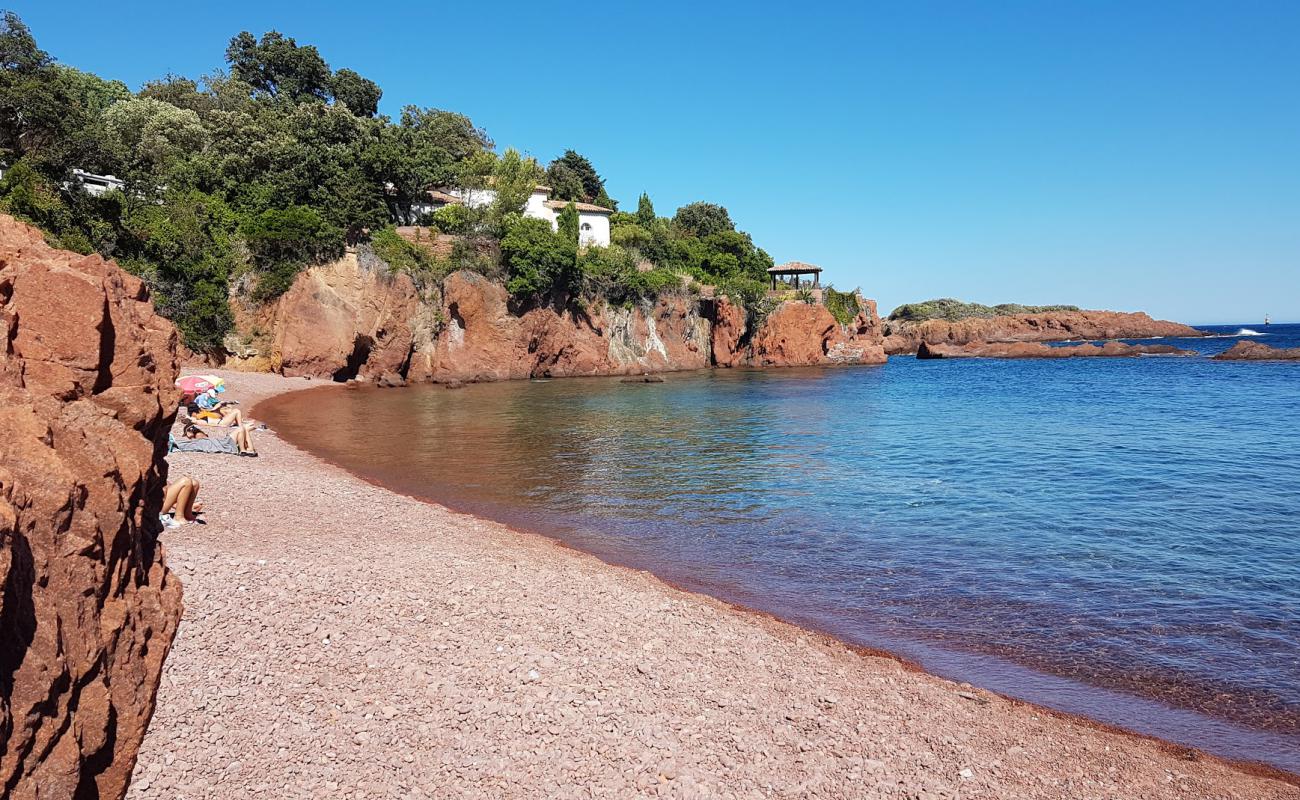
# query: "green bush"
[[451, 219], [950, 309], [539, 261], [283, 241], [842, 305], [399, 254]]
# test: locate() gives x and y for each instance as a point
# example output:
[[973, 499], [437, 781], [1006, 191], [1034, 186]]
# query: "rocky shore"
[[905, 337], [1040, 350], [1254, 351], [356, 318], [344, 641]]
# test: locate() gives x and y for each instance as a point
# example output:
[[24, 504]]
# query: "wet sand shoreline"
[[521, 667]]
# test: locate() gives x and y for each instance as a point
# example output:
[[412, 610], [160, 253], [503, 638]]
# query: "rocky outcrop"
[[88, 608], [483, 339], [357, 319], [803, 334], [347, 319], [729, 328], [1254, 351], [903, 337], [1040, 350]]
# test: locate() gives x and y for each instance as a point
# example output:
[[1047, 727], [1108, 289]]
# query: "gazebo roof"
[[793, 268]]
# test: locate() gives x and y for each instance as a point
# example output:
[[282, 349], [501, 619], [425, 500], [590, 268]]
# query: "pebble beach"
[[342, 640]]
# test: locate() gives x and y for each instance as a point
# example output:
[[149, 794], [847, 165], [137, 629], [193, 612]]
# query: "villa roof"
[[589, 208], [793, 268], [439, 196]]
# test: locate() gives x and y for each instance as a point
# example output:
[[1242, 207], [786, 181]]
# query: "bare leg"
[[173, 493], [231, 417], [188, 495], [243, 437]]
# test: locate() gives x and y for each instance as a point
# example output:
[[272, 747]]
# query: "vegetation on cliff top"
[[235, 182], [951, 310]]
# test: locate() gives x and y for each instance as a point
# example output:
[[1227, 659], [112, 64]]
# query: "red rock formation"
[[346, 319], [801, 334], [728, 322], [484, 340], [88, 608], [355, 318], [1254, 351], [1039, 350], [1055, 326]]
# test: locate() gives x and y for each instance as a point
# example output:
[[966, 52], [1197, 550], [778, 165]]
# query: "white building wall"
[[593, 229], [536, 208]]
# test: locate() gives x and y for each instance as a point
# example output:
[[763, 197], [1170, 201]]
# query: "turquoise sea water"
[[1113, 537]]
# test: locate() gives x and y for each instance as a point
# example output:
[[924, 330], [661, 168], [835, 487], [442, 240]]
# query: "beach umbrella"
[[197, 384]]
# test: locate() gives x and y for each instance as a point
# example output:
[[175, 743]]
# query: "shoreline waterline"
[[1087, 704]]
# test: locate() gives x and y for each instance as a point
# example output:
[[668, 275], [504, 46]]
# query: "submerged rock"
[[1254, 351], [88, 608]]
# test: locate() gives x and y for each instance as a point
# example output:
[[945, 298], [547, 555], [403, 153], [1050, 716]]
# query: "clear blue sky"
[[1117, 154]]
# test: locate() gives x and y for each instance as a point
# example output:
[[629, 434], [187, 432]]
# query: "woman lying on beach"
[[219, 412], [179, 504], [196, 440]]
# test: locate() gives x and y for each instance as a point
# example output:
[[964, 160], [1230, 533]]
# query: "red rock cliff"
[[356, 318], [88, 608], [1055, 326]]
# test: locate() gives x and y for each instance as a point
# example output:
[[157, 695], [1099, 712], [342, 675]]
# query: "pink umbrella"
[[197, 384]]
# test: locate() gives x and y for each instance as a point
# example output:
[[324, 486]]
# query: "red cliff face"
[[88, 608], [355, 318], [800, 334], [1054, 326]]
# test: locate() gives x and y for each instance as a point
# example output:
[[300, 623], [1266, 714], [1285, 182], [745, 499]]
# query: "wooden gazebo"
[[795, 269]]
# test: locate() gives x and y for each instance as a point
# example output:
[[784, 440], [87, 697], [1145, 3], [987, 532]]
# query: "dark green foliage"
[[539, 261], [360, 95], [703, 219], [283, 241], [572, 177], [949, 309], [278, 67], [842, 305], [645, 211], [612, 273], [567, 224]]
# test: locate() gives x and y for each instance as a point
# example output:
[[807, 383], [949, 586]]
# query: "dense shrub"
[[283, 241], [950, 309], [539, 261], [842, 305]]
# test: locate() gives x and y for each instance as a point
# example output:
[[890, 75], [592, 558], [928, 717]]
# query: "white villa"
[[593, 220]]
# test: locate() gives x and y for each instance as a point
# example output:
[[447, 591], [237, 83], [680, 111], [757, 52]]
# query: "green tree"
[[572, 177], [277, 67], [360, 95], [645, 211], [154, 142], [513, 178], [703, 219], [567, 224], [539, 261], [283, 241]]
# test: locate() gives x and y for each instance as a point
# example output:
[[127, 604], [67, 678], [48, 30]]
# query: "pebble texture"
[[343, 641], [87, 607]]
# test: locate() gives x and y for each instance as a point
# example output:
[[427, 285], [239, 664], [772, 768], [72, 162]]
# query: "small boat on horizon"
[[1266, 322]]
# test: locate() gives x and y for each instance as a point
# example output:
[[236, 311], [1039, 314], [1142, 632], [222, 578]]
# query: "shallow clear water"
[[1113, 537]]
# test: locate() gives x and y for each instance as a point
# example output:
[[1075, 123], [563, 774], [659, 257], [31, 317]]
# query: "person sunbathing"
[[180, 503], [196, 440], [217, 412]]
